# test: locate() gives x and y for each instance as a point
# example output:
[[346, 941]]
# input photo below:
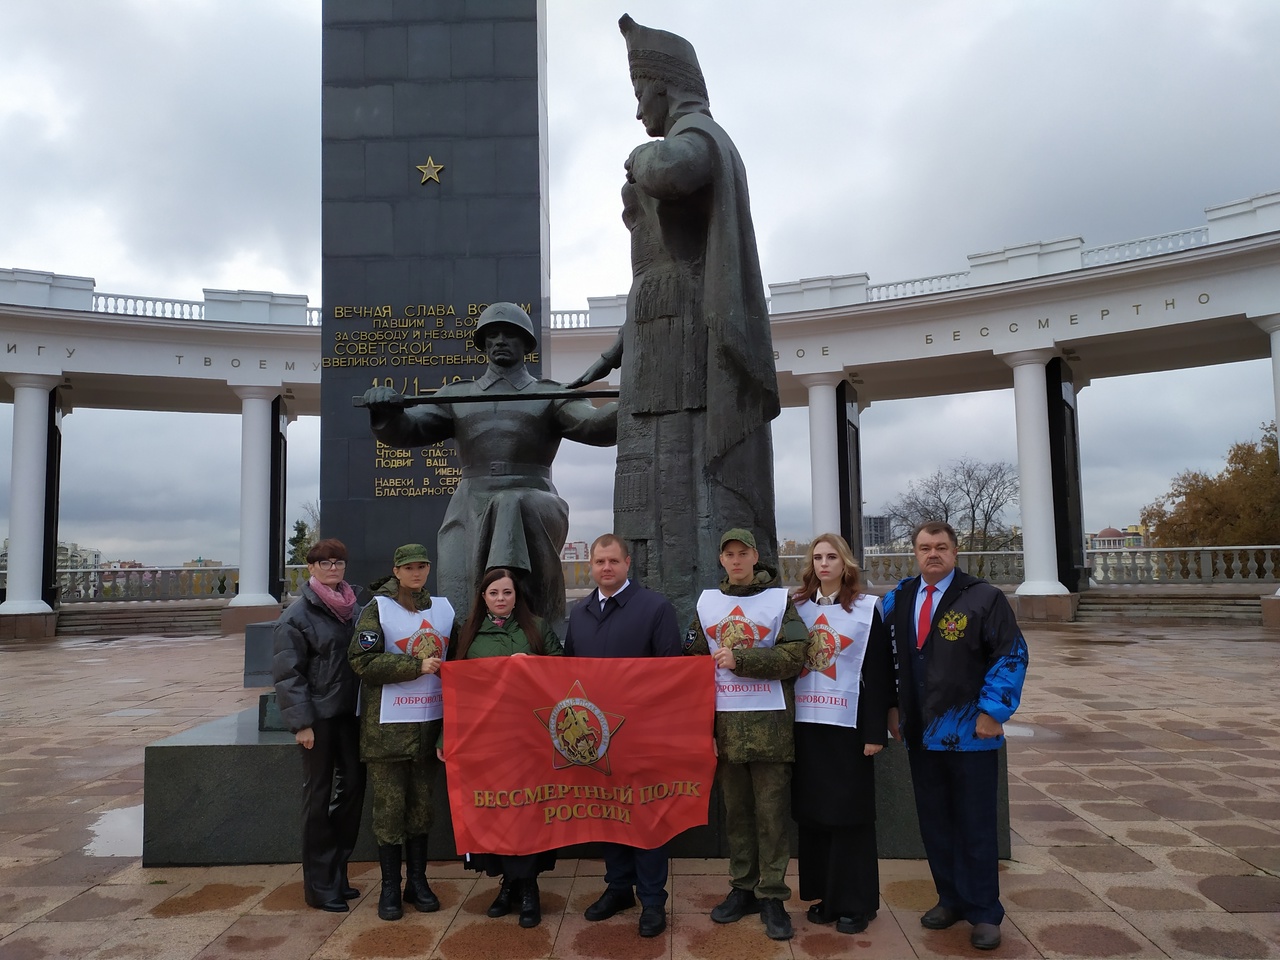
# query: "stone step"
[[168, 623], [1095, 607]]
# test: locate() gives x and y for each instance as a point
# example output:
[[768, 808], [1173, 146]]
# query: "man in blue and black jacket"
[[961, 661]]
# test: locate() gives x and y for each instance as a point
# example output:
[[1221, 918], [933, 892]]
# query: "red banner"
[[542, 752]]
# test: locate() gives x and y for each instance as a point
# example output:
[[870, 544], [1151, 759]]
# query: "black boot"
[[416, 889], [389, 907], [530, 903], [501, 905]]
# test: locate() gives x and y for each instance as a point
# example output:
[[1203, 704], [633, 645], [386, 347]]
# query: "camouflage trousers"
[[402, 797], [757, 808]]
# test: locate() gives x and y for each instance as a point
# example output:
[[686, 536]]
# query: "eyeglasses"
[[331, 564]]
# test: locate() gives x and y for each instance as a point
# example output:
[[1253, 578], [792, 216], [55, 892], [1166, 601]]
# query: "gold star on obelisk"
[[430, 170]]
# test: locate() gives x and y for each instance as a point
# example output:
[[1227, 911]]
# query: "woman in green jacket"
[[502, 625]]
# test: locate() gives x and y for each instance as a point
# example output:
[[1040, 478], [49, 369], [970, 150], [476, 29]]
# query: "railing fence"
[[1157, 566]]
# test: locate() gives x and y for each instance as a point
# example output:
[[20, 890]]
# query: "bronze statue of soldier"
[[505, 512], [699, 387]]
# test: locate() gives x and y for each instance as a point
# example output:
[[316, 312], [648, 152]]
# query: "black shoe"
[[416, 889], [610, 902], [776, 920], [501, 905], [985, 936], [389, 905], [336, 905], [817, 913], [852, 924], [530, 903], [735, 906], [653, 920], [348, 891], [939, 918]]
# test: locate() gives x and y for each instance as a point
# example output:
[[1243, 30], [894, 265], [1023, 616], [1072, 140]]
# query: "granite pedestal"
[[226, 792], [259, 640]]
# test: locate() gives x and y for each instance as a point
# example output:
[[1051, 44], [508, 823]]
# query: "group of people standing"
[[830, 671]]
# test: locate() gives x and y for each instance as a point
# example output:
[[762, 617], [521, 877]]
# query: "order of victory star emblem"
[[737, 630], [423, 643], [580, 731], [825, 644]]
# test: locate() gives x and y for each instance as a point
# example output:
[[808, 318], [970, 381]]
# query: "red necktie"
[[926, 616]]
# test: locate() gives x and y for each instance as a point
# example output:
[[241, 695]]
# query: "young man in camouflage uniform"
[[751, 628]]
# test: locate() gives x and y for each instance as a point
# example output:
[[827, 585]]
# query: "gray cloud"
[[163, 147]]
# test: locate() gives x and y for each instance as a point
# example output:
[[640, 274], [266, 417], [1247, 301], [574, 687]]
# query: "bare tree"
[[930, 498], [971, 495], [311, 514]]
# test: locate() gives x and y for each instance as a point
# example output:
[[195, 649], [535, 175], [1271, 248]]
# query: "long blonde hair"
[[850, 580]]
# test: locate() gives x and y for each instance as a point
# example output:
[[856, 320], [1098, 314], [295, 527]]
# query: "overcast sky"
[[164, 147]]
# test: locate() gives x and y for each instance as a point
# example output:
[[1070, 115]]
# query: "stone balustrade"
[[1144, 247], [570, 319], [1162, 566], [918, 287], [148, 306]]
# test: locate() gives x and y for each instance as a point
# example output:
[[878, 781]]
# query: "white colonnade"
[[255, 496], [824, 466], [27, 497]]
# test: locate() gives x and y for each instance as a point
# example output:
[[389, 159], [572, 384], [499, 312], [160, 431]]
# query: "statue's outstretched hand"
[[383, 401], [597, 371]]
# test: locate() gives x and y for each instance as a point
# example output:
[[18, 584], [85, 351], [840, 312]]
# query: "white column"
[[1271, 325], [1035, 475], [27, 492], [255, 495], [824, 466]]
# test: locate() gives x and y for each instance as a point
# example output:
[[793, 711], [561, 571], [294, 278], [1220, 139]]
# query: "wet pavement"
[[1144, 788]]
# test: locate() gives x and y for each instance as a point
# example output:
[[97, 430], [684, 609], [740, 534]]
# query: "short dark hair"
[[609, 540], [935, 526], [327, 549]]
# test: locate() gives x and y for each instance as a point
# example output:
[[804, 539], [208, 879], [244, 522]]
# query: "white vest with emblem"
[[740, 622], [827, 689], [423, 633]]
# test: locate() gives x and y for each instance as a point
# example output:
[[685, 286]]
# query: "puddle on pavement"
[[117, 833]]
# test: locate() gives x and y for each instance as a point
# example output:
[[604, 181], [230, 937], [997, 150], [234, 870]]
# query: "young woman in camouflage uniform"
[[401, 636]]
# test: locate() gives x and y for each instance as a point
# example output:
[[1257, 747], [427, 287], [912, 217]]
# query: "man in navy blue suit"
[[623, 619], [961, 661]]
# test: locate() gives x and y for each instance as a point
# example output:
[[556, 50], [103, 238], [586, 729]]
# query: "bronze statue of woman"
[[699, 387]]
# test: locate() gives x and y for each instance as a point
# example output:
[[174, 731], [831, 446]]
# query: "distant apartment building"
[[575, 550], [71, 556], [876, 531]]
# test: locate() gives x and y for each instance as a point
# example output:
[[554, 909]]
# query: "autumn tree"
[[1241, 505], [971, 495]]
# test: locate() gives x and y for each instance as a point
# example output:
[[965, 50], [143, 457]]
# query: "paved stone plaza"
[[1143, 781]]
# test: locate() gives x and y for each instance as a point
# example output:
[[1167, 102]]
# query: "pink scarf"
[[340, 601]]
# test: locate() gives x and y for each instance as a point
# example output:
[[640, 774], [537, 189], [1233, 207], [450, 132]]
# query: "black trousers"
[[646, 870], [838, 866], [956, 794], [332, 802]]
